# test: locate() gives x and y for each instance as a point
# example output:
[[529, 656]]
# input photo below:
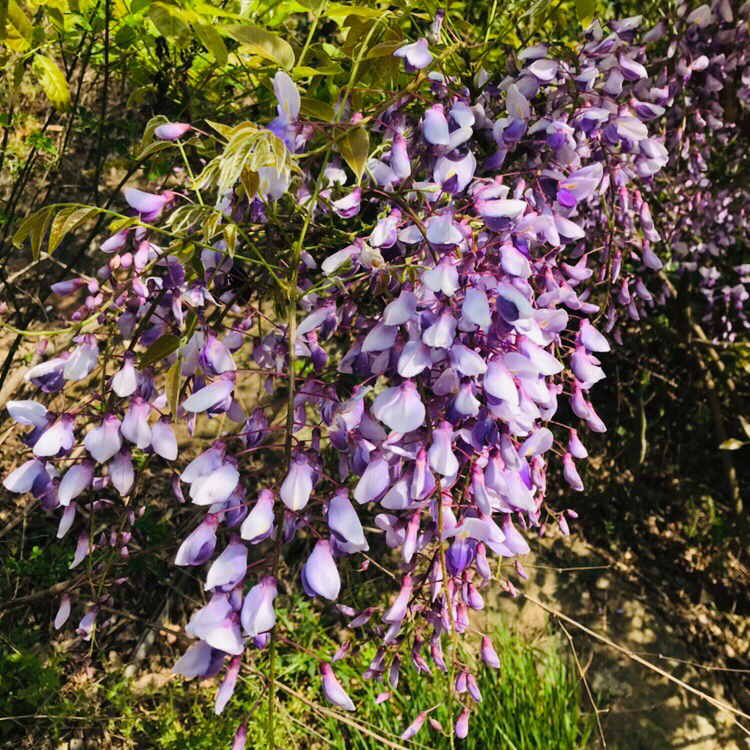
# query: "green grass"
[[532, 701]]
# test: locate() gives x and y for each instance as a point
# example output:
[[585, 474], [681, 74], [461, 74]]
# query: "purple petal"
[[104, 441], [171, 131], [229, 568], [76, 479], [259, 522], [216, 486], [333, 691], [258, 615], [163, 440], [400, 408], [297, 487], [320, 575]]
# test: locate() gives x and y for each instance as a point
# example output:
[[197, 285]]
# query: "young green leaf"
[[160, 349], [170, 22], [172, 386], [585, 11], [265, 44], [52, 81], [65, 222], [354, 147], [212, 41]]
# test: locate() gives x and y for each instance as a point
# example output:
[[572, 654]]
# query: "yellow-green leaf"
[[265, 44], [52, 81], [170, 22], [65, 222], [19, 22], [229, 231], [35, 225], [317, 109], [585, 11], [212, 41], [160, 349], [354, 147], [731, 445], [172, 387]]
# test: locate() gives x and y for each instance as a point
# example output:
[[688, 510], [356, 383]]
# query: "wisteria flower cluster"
[[439, 310]]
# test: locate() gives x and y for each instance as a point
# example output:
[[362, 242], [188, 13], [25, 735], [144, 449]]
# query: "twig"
[[335, 714], [582, 673], [631, 655]]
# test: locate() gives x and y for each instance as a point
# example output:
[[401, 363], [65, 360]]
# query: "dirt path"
[[640, 710]]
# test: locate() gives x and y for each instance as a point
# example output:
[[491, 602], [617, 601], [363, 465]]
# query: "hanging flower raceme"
[[452, 311]]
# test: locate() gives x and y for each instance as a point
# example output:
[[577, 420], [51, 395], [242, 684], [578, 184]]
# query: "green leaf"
[[172, 386], [212, 41], [52, 81], [160, 349], [731, 445], [354, 147], [154, 148], [265, 44], [585, 11], [229, 232], [19, 22], [35, 225], [170, 22], [745, 426], [3, 18], [66, 221], [317, 109]]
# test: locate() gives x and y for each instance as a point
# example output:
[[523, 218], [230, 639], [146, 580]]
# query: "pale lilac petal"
[[415, 357], [199, 545], [344, 521], [121, 472], [82, 360], [443, 278], [381, 337], [440, 457], [163, 440], [226, 636], [227, 686], [287, 96], [66, 520], [333, 691], [401, 310], [229, 568], [28, 412], [400, 408], [195, 661], [209, 396], [373, 482], [259, 522], [320, 576], [467, 361], [56, 439], [441, 334], [435, 126], [214, 487], [63, 612], [126, 380], [75, 480], [134, 426], [298, 485], [171, 131], [22, 479], [144, 203], [104, 441], [205, 463], [476, 308], [258, 615], [83, 549]]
